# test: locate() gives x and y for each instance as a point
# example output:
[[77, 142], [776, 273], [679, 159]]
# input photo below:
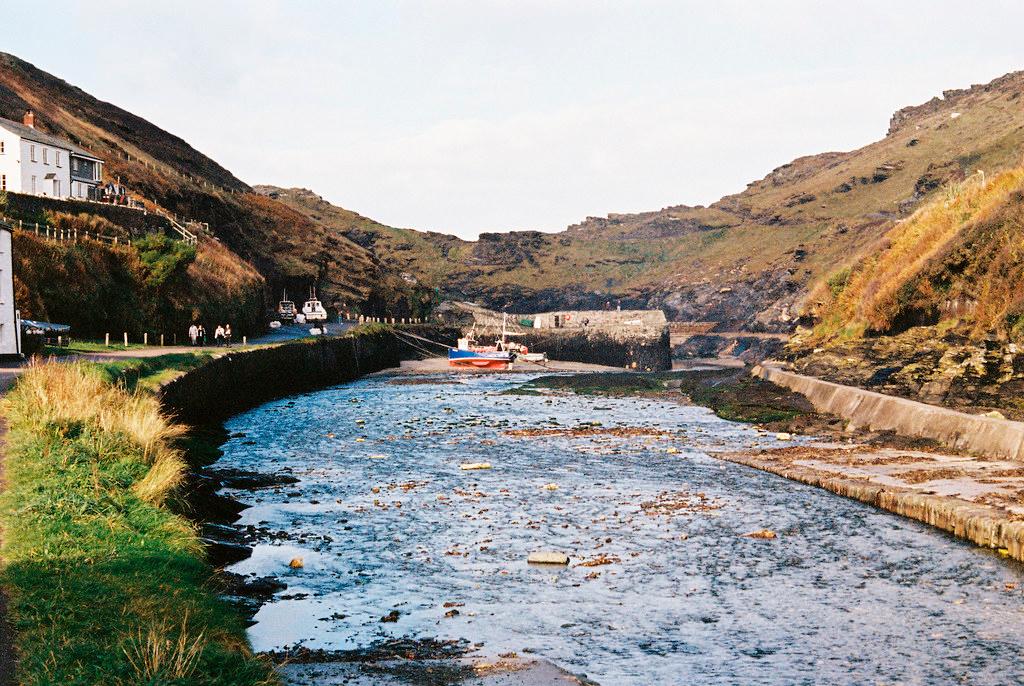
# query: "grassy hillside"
[[106, 585], [286, 248], [746, 260], [959, 259], [155, 286]]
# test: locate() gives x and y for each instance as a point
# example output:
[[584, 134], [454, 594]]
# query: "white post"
[[245, 340], [161, 340], [126, 339], [145, 338], [106, 340]]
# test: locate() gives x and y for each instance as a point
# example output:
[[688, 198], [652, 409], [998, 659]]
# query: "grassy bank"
[[107, 585]]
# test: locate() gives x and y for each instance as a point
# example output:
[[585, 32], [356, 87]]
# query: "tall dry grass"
[[49, 393], [157, 656], [877, 288]]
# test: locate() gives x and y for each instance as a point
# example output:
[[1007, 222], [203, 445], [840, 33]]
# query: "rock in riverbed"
[[548, 558]]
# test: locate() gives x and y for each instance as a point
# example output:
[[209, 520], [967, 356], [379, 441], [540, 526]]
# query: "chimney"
[[29, 120]]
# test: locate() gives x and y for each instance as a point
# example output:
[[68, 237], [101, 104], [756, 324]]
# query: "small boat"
[[313, 310], [470, 355], [480, 357], [285, 308]]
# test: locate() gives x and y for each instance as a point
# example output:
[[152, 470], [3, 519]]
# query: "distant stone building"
[[37, 163]]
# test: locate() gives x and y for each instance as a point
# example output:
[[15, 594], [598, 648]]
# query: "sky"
[[466, 116]]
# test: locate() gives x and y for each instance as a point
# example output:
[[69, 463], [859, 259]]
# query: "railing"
[[186, 235], [61, 235]]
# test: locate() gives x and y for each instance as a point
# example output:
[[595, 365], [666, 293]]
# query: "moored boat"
[[470, 355], [488, 357]]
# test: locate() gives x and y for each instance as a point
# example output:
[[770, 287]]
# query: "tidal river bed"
[[663, 586]]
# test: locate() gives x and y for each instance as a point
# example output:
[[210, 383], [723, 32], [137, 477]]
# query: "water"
[[845, 594]]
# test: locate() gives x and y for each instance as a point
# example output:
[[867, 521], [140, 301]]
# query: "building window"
[[46, 156], [33, 185], [2, 148], [56, 188], [56, 156], [32, 152], [3, 182]]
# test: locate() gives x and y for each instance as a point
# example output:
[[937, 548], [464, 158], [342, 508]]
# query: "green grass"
[[77, 347], [104, 585], [150, 372]]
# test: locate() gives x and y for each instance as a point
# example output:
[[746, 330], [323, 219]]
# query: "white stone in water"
[[783, 436], [474, 465], [548, 558]]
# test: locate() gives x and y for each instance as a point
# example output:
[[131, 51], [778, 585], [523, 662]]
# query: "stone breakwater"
[[878, 412]]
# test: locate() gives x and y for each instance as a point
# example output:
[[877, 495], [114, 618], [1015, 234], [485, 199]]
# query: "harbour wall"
[[643, 353], [239, 381], [978, 434], [984, 525]]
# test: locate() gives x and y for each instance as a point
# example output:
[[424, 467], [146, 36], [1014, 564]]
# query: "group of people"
[[221, 335]]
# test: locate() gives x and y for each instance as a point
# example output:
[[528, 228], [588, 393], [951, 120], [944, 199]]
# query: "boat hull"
[[472, 359]]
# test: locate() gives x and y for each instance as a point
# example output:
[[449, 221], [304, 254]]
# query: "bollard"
[[59, 340], [161, 340], [126, 339], [245, 340], [106, 340], [145, 338]]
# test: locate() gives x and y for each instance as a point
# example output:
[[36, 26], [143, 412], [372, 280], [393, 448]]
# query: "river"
[[670, 590]]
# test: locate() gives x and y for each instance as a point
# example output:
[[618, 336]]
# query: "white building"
[[10, 324], [37, 163]]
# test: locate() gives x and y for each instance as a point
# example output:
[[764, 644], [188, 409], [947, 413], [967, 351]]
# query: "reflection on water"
[[384, 519]]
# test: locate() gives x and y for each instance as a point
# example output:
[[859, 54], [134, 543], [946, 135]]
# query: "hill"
[[935, 310], [748, 260], [287, 249]]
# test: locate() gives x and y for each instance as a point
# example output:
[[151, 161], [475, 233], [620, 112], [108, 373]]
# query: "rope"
[[409, 343], [421, 338]]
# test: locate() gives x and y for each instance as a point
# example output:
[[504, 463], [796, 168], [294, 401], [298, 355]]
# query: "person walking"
[[227, 335], [202, 335], [218, 336], [193, 334]]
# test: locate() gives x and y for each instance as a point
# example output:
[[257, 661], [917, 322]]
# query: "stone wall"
[[239, 381], [648, 354], [136, 222], [958, 430]]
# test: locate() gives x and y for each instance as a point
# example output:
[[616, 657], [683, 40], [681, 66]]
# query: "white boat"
[[313, 310], [285, 308]]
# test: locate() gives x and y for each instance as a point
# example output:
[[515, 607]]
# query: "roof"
[[28, 133]]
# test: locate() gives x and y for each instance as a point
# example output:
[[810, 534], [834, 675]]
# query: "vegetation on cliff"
[[156, 285], [957, 261], [106, 584], [748, 259]]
